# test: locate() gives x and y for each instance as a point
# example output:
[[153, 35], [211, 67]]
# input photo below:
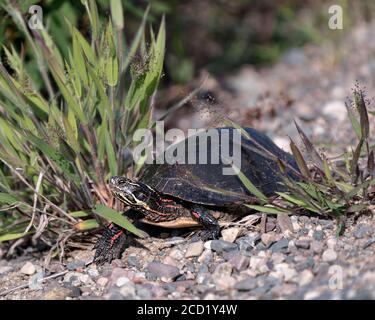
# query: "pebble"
[[246, 284], [230, 234], [317, 247], [194, 249], [35, 282], [133, 261], [78, 264], [102, 281], [93, 272], [128, 290], [28, 268], [280, 245], [318, 235], [58, 293], [268, 238], [239, 262], [362, 231], [5, 269], [259, 264], [122, 281], [329, 255], [163, 270], [222, 246], [176, 254], [302, 244], [305, 277], [288, 273]]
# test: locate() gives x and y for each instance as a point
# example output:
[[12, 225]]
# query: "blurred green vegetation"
[[217, 35]]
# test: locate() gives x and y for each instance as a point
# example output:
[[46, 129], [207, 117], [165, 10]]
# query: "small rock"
[[287, 272], [239, 262], [58, 293], [223, 269], [73, 266], [246, 285], [5, 269], [28, 268], [317, 247], [176, 254], [207, 244], [35, 282], [331, 242], [329, 255], [369, 243], [128, 290], [173, 262], [133, 261], [230, 234], [268, 238], [222, 276], [163, 270], [305, 277], [205, 257], [318, 235], [258, 264], [85, 278], [117, 263], [145, 291], [280, 245], [122, 281], [93, 272], [221, 246], [362, 231], [302, 244], [285, 224], [195, 249], [73, 278], [244, 244], [102, 281], [270, 225]]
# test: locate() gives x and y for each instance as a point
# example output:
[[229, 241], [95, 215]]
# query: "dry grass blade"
[[310, 148], [363, 115], [299, 159]]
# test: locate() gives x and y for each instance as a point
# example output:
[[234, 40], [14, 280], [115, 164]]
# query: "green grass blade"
[[270, 210], [117, 218]]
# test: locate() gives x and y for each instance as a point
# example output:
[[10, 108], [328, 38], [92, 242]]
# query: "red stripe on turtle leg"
[[113, 239]]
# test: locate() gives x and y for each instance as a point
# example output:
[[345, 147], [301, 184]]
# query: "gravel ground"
[[304, 260]]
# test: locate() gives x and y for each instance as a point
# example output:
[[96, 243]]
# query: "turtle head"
[[130, 192]]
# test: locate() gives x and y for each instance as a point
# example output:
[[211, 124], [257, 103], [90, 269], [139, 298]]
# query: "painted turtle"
[[189, 195]]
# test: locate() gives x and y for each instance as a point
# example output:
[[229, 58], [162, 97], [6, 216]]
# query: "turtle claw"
[[110, 245], [205, 235]]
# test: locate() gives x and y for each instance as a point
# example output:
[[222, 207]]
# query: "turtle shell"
[[207, 184]]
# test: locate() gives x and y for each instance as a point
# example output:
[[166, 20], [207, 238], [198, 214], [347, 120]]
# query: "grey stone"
[[223, 246], [77, 264], [163, 270], [282, 244], [362, 231], [329, 255], [318, 235], [302, 244], [246, 285], [239, 262], [133, 261]]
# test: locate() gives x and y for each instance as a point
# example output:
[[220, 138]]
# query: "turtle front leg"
[[111, 244], [211, 226]]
